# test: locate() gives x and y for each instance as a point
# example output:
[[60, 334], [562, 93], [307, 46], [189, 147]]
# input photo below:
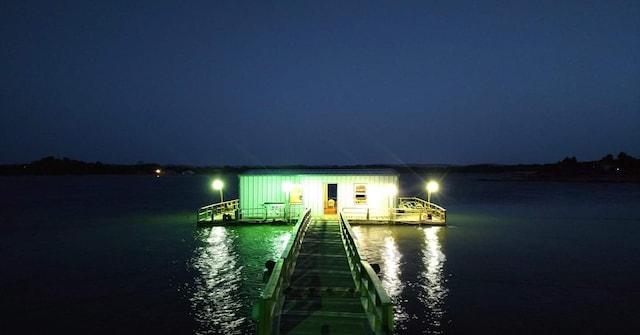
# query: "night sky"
[[321, 82]]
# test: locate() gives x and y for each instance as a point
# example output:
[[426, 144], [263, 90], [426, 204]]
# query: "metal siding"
[[313, 188], [257, 189]]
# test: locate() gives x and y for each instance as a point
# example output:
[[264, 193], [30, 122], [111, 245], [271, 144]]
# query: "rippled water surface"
[[122, 254]]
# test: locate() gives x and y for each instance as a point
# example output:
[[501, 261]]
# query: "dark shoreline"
[[624, 169]]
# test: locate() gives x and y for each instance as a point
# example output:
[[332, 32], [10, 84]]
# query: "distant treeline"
[[66, 166], [623, 167]]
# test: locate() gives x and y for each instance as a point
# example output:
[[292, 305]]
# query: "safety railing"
[[410, 210], [266, 311], [216, 211], [426, 210], [375, 300], [231, 211], [279, 211]]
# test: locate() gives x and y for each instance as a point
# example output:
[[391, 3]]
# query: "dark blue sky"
[[322, 82]]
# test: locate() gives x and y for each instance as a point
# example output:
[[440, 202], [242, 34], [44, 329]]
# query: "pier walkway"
[[321, 286], [322, 293]]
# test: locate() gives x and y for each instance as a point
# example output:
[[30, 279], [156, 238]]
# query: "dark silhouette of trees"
[[622, 167], [55, 166]]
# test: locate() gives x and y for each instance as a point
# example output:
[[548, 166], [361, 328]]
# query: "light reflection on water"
[[228, 278], [412, 272], [434, 291], [215, 300], [391, 267]]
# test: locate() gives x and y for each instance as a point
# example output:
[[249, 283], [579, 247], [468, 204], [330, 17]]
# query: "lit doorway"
[[331, 199]]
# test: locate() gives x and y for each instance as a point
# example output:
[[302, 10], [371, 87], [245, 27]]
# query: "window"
[[360, 194], [295, 197]]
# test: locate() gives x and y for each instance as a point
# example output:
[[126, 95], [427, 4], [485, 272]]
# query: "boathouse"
[[325, 192], [283, 195]]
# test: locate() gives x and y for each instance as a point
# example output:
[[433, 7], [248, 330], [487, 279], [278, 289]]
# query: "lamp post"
[[432, 186], [218, 185]]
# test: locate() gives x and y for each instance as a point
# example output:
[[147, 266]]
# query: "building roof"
[[321, 171]]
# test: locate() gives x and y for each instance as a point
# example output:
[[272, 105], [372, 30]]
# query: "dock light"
[[218, 185], [158, 172], [432, 186]]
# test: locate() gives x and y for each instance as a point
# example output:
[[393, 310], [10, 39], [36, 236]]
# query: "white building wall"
[[255, 190]]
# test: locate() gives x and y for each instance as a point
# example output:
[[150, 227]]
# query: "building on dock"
[[324, 191], [362, 195]]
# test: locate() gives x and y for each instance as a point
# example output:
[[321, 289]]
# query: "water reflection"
[[228, 275], [217, 285], [391, 267], [377, 245], [432, 279], [412, 272]]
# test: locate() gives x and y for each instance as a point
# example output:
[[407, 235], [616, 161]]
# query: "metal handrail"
[[351, 247], [209, 212], [213, 212], [420, 205], [375, 299], [266, 311], [393, 215], [412, 210]]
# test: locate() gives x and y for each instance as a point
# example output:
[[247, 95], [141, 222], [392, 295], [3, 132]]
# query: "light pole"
[[432, 186], [218, 185]]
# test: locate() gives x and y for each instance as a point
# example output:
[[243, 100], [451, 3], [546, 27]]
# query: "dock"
[[322, 293], [320, 285], [412, 211]]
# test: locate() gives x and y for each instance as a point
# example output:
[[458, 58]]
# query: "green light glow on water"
[[229, 265]]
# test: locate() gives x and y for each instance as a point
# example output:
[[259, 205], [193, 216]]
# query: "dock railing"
[[266, 311], [409, 210], [426, 210], [209, 213], [267, 212], [375, 300]]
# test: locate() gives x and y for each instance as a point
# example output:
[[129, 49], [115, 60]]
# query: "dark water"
[[122, 254]]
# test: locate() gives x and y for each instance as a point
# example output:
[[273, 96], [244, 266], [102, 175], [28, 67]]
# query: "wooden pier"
[[321, 286], [322, 296]]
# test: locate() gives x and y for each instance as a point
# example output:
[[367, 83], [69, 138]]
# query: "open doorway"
[[331, 199]]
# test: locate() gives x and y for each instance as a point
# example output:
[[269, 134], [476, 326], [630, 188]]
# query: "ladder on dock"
[[321, 286]]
